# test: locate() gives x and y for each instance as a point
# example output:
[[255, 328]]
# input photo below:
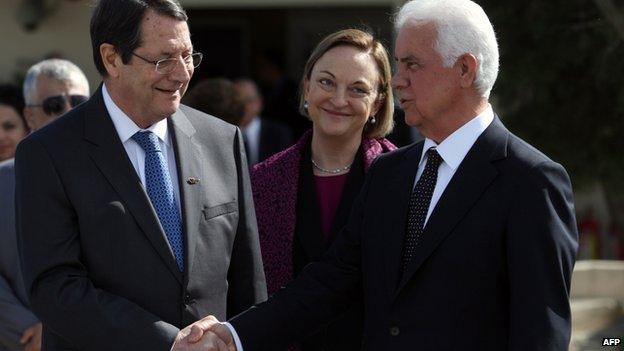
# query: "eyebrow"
[[356, 82], [406, 59], [169, 53]]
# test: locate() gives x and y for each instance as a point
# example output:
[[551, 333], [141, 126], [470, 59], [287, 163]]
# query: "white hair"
[[462, 28], [58, 69]]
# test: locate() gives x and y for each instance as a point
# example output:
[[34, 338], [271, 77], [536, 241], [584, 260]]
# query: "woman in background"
[[13, 126], [303, 194]]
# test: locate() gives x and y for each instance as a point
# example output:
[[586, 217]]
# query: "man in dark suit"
[[263, 137], [134, 213], [51, 88], [465, 241]]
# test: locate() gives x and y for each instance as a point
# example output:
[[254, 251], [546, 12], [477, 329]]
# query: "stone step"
[[598, 278], [597, 304], [590, 315]]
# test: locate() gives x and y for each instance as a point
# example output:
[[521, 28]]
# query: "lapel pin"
[[192, 180]]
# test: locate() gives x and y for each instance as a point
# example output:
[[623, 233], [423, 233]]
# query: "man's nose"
[[66, 105], [182, 72], [398, 81]]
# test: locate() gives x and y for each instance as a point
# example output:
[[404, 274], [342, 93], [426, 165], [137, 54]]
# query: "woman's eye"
[[9, 126], [326, 82]]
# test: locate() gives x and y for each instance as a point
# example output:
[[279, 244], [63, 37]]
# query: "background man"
[[134, 212], [51, 88], [465, 241], [263, 137], [217, 97]]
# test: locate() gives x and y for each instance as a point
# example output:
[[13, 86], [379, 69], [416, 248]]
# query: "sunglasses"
[[55, 105]]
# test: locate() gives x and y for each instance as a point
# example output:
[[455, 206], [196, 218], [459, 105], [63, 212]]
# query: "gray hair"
[[462, 28], [58, 69]]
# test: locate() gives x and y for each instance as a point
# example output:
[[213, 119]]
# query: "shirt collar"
[[126, 127], [454, 148], [253, 127]]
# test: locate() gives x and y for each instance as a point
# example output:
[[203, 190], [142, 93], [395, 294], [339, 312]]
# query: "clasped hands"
[[207, 334]]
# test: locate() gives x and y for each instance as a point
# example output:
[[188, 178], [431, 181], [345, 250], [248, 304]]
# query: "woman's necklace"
[[331, 171]]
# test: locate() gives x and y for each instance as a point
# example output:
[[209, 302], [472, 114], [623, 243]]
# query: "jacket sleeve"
[[541, 249], [321, 292], [56, 275], [247, 285], [14, 317]]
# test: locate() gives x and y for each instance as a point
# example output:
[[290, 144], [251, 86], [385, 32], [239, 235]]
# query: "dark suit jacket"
[[290, 231], [274, 137], [97, 264], [15, 314], [492, 271]]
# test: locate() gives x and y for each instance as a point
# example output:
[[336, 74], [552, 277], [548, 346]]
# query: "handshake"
[[207, 334]]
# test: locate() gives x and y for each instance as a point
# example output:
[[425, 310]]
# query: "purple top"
[[329, 192], [274, 183]]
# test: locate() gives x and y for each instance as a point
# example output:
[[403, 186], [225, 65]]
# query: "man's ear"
[[30, 118], [111, 59], [467, 64]]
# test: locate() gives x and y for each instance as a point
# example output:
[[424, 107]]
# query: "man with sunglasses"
[[51, 88], [134, 212]]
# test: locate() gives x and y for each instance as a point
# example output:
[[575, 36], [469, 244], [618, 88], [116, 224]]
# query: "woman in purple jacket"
[[303, 194]]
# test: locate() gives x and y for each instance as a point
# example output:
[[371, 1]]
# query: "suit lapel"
[[188, 160], [399, 191], [308, 228], [111, 159], [352, 187], [471, 179]]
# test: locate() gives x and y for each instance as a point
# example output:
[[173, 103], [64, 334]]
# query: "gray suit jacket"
[[100, 272], [15, 315]]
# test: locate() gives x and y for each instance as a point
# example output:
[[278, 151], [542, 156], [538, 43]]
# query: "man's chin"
[[412, 120], [170, 108]]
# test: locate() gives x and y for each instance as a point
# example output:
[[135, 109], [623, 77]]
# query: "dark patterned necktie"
[[419, 205], [160, 190]]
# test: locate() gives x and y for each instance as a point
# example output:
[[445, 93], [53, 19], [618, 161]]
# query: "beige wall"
[[286, 3], [65, 31]]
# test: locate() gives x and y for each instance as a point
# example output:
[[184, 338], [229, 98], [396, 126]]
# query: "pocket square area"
[[214, 211]]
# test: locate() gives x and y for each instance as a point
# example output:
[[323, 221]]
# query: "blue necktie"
[[160, 190]]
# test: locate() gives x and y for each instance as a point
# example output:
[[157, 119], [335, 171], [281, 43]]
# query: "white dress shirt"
[[453, 149], [251, 133], [126, 128]]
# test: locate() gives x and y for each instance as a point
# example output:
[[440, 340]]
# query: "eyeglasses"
[[55, 105], [167, 65]]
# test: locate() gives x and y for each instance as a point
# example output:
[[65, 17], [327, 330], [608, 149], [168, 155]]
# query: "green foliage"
[[561, 84]]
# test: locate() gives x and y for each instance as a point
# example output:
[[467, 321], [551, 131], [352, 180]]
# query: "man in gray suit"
[[134, 212], [51, 88]]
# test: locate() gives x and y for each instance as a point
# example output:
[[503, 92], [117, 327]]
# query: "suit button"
[[394, 331], [187, 298]]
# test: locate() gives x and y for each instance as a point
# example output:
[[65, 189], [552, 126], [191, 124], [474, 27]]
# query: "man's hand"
[[197, 331], [208, 341], [31, 338]]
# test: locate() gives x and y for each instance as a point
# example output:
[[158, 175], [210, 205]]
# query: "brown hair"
[[217, 97], [364, 42]]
